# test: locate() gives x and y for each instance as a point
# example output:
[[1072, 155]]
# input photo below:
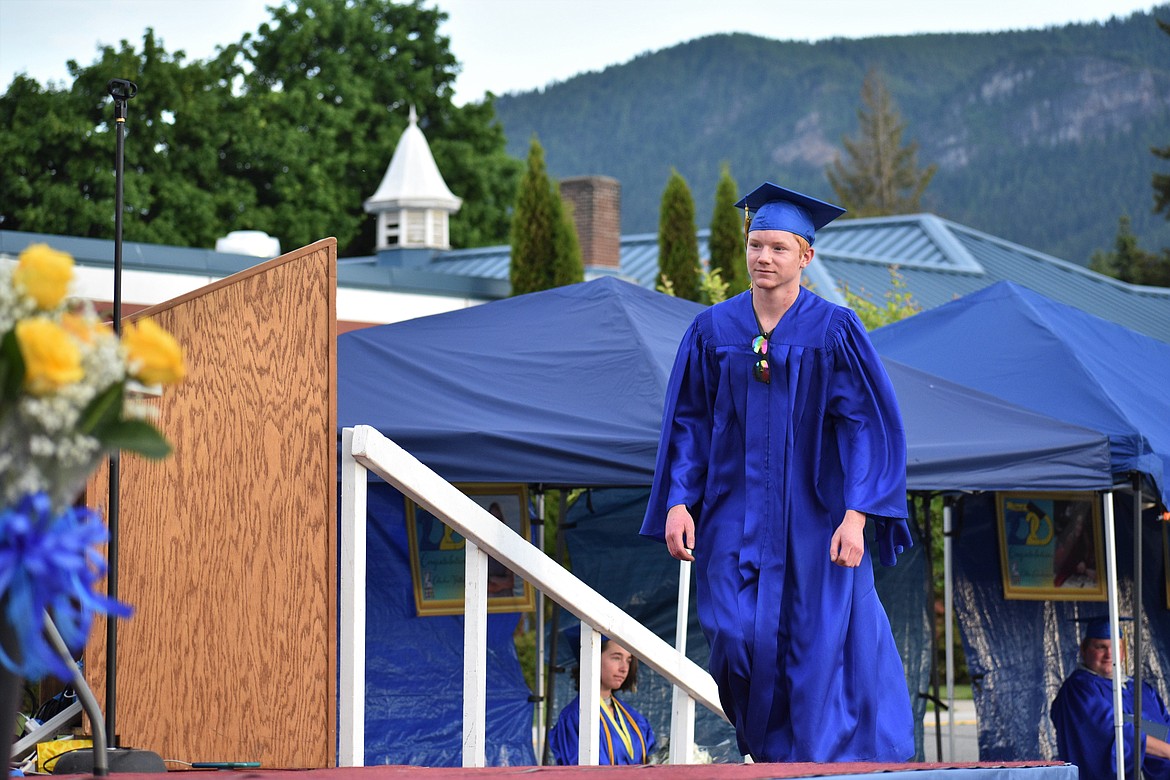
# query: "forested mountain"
[[1041, 137]]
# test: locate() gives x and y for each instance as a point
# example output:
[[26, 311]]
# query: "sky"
[[518, 45]]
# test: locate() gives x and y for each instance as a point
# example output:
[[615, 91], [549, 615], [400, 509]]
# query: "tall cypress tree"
[[535, 225], [726, 244], [567, 265], [678, 246], [882, 176]]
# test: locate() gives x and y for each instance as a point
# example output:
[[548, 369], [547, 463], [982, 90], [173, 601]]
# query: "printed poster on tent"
[[1050, 546], [1166, 555], [437, 555]]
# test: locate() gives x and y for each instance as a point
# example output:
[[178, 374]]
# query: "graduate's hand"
[[1156, 747], [680, 532], [848, 542]]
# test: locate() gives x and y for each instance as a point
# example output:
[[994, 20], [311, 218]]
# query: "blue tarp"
[[1020, 346], [601, 534], [961, 439], [565, 388], [414, 665], [1027, 349], [1019, 652]]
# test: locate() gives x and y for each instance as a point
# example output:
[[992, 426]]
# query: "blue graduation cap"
[[1097, 626], [573, 634], [779, 208]]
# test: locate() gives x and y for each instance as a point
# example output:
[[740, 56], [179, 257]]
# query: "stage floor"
[[1018, 770]]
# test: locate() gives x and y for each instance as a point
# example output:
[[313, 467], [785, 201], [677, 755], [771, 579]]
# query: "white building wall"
[[146, 288]]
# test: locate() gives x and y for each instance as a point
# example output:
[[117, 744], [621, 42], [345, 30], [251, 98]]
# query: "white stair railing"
[[365, 448]]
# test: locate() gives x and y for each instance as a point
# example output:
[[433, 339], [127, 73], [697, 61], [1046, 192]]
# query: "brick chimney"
[[597, 209]]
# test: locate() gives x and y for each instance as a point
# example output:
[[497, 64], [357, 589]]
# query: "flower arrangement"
[[64, 404]]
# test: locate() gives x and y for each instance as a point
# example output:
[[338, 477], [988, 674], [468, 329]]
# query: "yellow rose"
[[82, 328], [155, 358], [51, 358], [44, 273]]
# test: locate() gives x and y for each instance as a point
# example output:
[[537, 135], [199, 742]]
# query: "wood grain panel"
[[228, 547]]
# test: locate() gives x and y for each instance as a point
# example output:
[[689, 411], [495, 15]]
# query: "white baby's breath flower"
[[14, 304], [40, 446]]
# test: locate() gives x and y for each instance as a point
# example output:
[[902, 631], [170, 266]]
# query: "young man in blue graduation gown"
[[781, 435], [625, 735], [1083, 716]]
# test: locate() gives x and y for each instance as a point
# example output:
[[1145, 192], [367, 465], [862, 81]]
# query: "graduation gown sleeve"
[[563, 739], [870, 437], [684, 447], [1083, 716]]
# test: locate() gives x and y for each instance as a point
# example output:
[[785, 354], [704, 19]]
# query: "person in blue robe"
[[781, 436], [625, 735], [1082, 713]]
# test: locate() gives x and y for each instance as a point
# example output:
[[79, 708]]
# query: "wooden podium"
[[228, 549]]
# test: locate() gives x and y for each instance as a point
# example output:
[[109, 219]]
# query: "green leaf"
[[135, 436], [104, 410], [11, 367]]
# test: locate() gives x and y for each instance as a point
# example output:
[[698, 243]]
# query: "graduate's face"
[[615, 667], [775, 258], [1097, 656]]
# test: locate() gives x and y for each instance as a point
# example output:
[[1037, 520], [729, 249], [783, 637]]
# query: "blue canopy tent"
[[1020, 346], [1027, 349], [561, 387], [961, 439], [565, 388]]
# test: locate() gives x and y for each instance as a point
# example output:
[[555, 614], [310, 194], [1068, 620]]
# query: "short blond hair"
[[800, 240]]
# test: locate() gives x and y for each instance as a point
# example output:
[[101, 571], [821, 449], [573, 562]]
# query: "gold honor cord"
[[617, 719]]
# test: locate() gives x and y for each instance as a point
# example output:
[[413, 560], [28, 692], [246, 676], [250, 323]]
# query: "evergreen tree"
[[1161, 181], [1129, 262], [536, 225], [726, 243], [567, 266], [678, 244], [882, 176]]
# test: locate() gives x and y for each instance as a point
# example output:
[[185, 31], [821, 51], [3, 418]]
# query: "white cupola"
[[412, 204]]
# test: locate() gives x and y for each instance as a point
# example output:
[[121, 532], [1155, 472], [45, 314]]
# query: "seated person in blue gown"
[[1083, 715], [781, 435], [626, 736]]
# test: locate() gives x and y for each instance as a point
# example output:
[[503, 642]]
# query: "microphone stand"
[[121, 91]]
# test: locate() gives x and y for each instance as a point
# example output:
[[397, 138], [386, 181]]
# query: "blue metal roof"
[[939, 260]]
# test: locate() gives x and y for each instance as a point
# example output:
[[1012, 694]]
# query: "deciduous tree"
[[287, 131], [897, 304]]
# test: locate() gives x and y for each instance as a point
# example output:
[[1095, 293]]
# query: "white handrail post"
[[487, 536], [589, 733], [1114, 632], [682, 715], [541, 703], [474, 655], [351, 694]]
